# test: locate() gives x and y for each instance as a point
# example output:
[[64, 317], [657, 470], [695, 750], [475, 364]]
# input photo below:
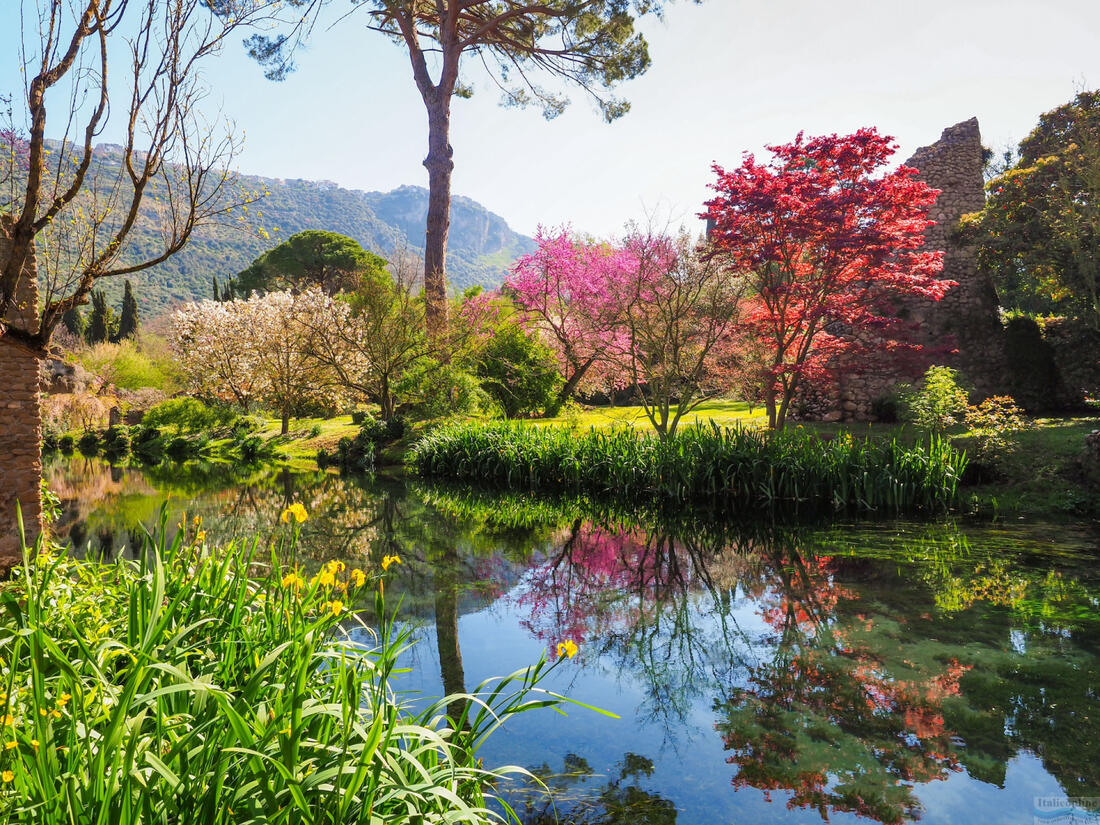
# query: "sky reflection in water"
[[882, 672]]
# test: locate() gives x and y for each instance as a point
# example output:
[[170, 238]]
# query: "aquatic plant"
[[734, 469], [210, 685]]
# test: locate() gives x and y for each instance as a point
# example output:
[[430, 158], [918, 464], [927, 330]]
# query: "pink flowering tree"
[[568, 290]]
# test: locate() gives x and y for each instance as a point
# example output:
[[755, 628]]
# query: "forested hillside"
[[481, 244]]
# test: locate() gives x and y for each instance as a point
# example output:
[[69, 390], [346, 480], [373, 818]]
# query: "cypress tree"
[[73, 320], [99, 322], [217, 293], [128, 323]]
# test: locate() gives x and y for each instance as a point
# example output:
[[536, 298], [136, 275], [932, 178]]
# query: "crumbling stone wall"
[[963, 330], [20, 420]]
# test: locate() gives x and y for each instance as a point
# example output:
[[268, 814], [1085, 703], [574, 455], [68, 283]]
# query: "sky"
[[728, 76]]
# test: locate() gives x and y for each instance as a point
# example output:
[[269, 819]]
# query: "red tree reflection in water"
[[842, 714]]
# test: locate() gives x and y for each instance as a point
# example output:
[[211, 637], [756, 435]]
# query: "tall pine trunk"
[[440, 165]]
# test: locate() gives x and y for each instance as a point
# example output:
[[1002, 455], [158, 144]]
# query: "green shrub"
[[66, 444], [200, 684], [147, 444], [938, 403], [116, 442], [131, 366], [736, 470], [519, 372], [188, 415], [88, 443], [434, 390], [354, 455], [991, 425]]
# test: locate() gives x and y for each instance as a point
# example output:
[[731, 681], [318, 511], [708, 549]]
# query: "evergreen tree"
[[217, 292], [101, 320], [128, 322], [75, 322]]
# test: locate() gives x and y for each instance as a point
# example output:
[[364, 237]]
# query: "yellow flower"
[[336, 566], [295, 510], [568, 648], [9, 745], [34, 744], [334, 607], [9, 719], [200, 537], [388, 560], [293, 580], [7, 776], [324, 577], [359, 577]]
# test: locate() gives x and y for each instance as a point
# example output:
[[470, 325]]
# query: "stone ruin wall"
[[962, 330], [20, 420]]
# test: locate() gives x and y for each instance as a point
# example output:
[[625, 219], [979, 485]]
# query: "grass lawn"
[[724, 412], [299, 447]]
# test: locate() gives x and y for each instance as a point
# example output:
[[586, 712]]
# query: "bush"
[[188, 415], [116, 442], [66, 444], [991, 423], [354, 455], [88, 443], [253, 449], [210, 687], [939, 403], [131, 366], [183, 447], [735, 470], [434, 390], [147, 444], [50, 438], [885, 409], [519, 372], [358, 417]]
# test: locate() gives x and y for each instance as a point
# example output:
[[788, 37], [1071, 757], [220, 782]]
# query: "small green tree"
[[128, 321], [331, 262], [518, 371], [101, 322], [939, 403], [74, 321]]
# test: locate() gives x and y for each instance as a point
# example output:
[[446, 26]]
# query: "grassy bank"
[[736, 469], [214, 685]]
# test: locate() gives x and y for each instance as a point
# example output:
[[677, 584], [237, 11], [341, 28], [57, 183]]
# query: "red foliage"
[[829, 242]]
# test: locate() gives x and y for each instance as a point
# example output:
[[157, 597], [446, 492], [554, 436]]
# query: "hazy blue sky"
[[727, 76]]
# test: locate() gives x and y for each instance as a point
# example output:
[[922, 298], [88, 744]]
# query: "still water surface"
[[887, 672]]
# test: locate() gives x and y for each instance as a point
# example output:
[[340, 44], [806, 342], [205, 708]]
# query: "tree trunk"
[[570, 386], [446, 631], [20, 417], [440, 164], [286, 424]]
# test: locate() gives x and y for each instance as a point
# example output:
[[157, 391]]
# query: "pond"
[[762, 674]]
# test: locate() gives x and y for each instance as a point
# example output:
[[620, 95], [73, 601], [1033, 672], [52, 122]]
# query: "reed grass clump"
[[734, 469], [203, 685]]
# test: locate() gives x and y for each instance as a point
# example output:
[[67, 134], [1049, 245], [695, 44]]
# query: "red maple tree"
[[829, 241]]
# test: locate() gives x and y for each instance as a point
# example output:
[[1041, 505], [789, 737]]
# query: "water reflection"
[[767, 673]]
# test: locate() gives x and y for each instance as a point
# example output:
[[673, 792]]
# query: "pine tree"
[[128, 322], [101, 320]]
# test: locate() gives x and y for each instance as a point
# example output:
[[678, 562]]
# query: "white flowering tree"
[[258, 351]]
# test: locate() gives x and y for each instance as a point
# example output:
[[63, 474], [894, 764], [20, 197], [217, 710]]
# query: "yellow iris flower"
[[568, 648]]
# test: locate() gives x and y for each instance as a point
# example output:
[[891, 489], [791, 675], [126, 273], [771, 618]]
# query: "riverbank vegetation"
[[232, 683], [734, 469]]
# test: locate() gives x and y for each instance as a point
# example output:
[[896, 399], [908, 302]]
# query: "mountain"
[[480, 248]]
